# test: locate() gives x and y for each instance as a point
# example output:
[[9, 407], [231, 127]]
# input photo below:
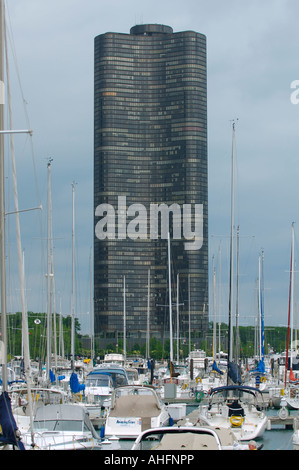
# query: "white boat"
[[97, 396], [295, 440], [236, 407], [114, 358], [133, 409], [117, 372], [98, 387], [62, 427], [291, 395], [189, 438]]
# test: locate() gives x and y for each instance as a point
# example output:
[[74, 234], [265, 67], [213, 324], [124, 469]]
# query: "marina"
[[118, 416], [192, 383]]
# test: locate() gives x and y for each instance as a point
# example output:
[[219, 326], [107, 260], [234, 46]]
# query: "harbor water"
[[277, 438]]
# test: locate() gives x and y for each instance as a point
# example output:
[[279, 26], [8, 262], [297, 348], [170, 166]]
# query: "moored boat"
[[62, 427], [236, 407], [134, 409], [188, 438]]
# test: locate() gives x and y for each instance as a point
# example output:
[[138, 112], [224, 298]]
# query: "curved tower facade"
[[150, 179]]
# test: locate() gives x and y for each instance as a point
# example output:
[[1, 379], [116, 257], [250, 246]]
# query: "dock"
[[290, 422]]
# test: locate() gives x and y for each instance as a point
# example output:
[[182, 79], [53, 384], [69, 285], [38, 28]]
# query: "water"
[[277, 438]]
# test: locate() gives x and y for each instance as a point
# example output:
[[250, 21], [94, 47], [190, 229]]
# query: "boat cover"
[[187, 441], [216, 368], [76, 387], [234, 373], [135, 406], [8, 423]]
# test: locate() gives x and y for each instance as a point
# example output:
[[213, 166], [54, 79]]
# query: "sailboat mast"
[[2, 207], [230, 323], [262, 306], [289, 312], [49, 274], [148, 316], [73, 279], [125, 321], [170, 302], [178, 319]]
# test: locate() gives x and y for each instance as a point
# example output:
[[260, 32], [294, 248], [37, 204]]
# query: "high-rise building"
[[150, 161]]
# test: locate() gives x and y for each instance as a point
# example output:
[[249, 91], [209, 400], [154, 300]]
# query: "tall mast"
[[261, 306], [73, 279], [125, 320], [170, 302], [231, 279], [292, 293], [49, 274], [290, 308], [178, 319], [237, 348], [148, 315], [214, 310], [2, 207]]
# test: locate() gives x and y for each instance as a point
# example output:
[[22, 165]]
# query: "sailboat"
[[291, 379], [233, 373], [235, 405], [259, 377]]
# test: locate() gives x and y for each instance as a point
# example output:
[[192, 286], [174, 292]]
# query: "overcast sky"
[[252, 57]]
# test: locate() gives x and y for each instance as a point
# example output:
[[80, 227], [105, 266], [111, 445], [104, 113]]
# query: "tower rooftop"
[[150, 29]]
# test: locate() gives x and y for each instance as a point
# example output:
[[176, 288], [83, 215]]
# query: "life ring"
[[263, 379], [198, 396], [185, 386], [198, 380], [236, 421], [283, 413]]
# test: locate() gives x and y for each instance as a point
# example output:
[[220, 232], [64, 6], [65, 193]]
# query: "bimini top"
[[150, 29], [239, 388]]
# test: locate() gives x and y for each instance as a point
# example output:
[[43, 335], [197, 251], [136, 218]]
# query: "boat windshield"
[[98, 381], [188, 440], [140, 391], [59, 425]]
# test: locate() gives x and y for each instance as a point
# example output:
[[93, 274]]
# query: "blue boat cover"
[[52, 376], [76, 387], [215, 367], [261, 367], [8, 423], [234, 373]]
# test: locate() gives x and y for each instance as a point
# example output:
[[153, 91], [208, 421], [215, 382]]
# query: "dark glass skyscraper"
[[150, 149]]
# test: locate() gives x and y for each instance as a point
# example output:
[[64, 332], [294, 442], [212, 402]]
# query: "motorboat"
[[118, 373], [98, 387], [134, 408], [97, 396], [237, 407], [189, 438], [62, 427]]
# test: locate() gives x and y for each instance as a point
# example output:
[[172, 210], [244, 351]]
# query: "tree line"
[[275, 340]]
